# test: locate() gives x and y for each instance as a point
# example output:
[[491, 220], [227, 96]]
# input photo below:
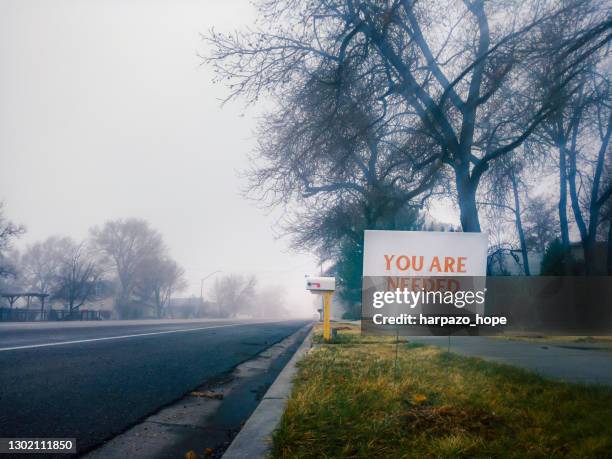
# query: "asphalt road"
[[90, 381]]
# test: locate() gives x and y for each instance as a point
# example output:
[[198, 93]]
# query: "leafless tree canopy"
[[77, 275], [234, 294], [139, 257], [8, 232], [128, 244], [157, 280], [42, 263], [464, 79], [382, 105]]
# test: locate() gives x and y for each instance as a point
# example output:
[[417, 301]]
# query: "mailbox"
[[321, 284]]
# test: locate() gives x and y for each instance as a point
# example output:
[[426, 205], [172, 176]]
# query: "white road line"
[[107, 338]]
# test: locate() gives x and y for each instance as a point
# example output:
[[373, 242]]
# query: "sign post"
[[323, 286], [326, 313]]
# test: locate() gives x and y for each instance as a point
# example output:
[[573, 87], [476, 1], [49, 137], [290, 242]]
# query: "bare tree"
[[234, 294], [607, 216], [128, 244], [540, 222], [569, 119], [8, 232], [589, 183], [42, 262], [157, 280], [321, 149], [504, 196], [271, 302], [464, 78], [579, 130], [344, 165], [77, 276]]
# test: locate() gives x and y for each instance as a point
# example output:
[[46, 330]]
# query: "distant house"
[[432, 224]]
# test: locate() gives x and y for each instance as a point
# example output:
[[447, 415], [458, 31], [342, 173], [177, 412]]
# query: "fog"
[[107, 112]]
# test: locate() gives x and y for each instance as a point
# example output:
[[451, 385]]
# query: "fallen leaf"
[[191, 455]]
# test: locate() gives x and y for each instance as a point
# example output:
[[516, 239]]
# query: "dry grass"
[[349, 401]]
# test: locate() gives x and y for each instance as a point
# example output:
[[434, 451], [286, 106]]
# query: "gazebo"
[[13, 297]]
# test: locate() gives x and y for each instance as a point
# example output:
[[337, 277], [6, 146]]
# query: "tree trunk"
[[587, 239], [595, 205], [563, 223], [588, 247], [609, 261], [519, 226], [466, 196], [588, 243], [158, 304]]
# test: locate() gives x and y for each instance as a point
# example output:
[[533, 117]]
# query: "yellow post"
[[326, 313]]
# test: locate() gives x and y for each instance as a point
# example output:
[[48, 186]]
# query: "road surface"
[[90, 381]]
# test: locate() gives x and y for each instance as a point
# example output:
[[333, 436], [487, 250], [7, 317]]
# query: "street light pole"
[[202, 283]]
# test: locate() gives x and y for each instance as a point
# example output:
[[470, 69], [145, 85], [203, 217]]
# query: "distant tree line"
[[500, 107], [125, 261]]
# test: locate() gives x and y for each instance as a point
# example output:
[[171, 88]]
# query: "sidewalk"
[[570, 362]]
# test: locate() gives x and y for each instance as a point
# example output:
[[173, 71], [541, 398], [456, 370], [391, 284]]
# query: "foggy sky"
[[106, 112]]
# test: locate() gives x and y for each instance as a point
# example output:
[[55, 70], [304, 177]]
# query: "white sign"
[[424, 253]]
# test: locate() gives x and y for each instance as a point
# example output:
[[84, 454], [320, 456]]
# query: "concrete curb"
[[254, 439]]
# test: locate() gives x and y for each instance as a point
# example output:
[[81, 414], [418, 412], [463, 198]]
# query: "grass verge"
[[351, 400]]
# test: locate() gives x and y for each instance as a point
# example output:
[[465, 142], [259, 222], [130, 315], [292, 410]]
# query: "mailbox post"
[[323, 286]]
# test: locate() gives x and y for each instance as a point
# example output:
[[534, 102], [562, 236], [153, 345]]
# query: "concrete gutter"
[[254, 440], [204, 425]]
